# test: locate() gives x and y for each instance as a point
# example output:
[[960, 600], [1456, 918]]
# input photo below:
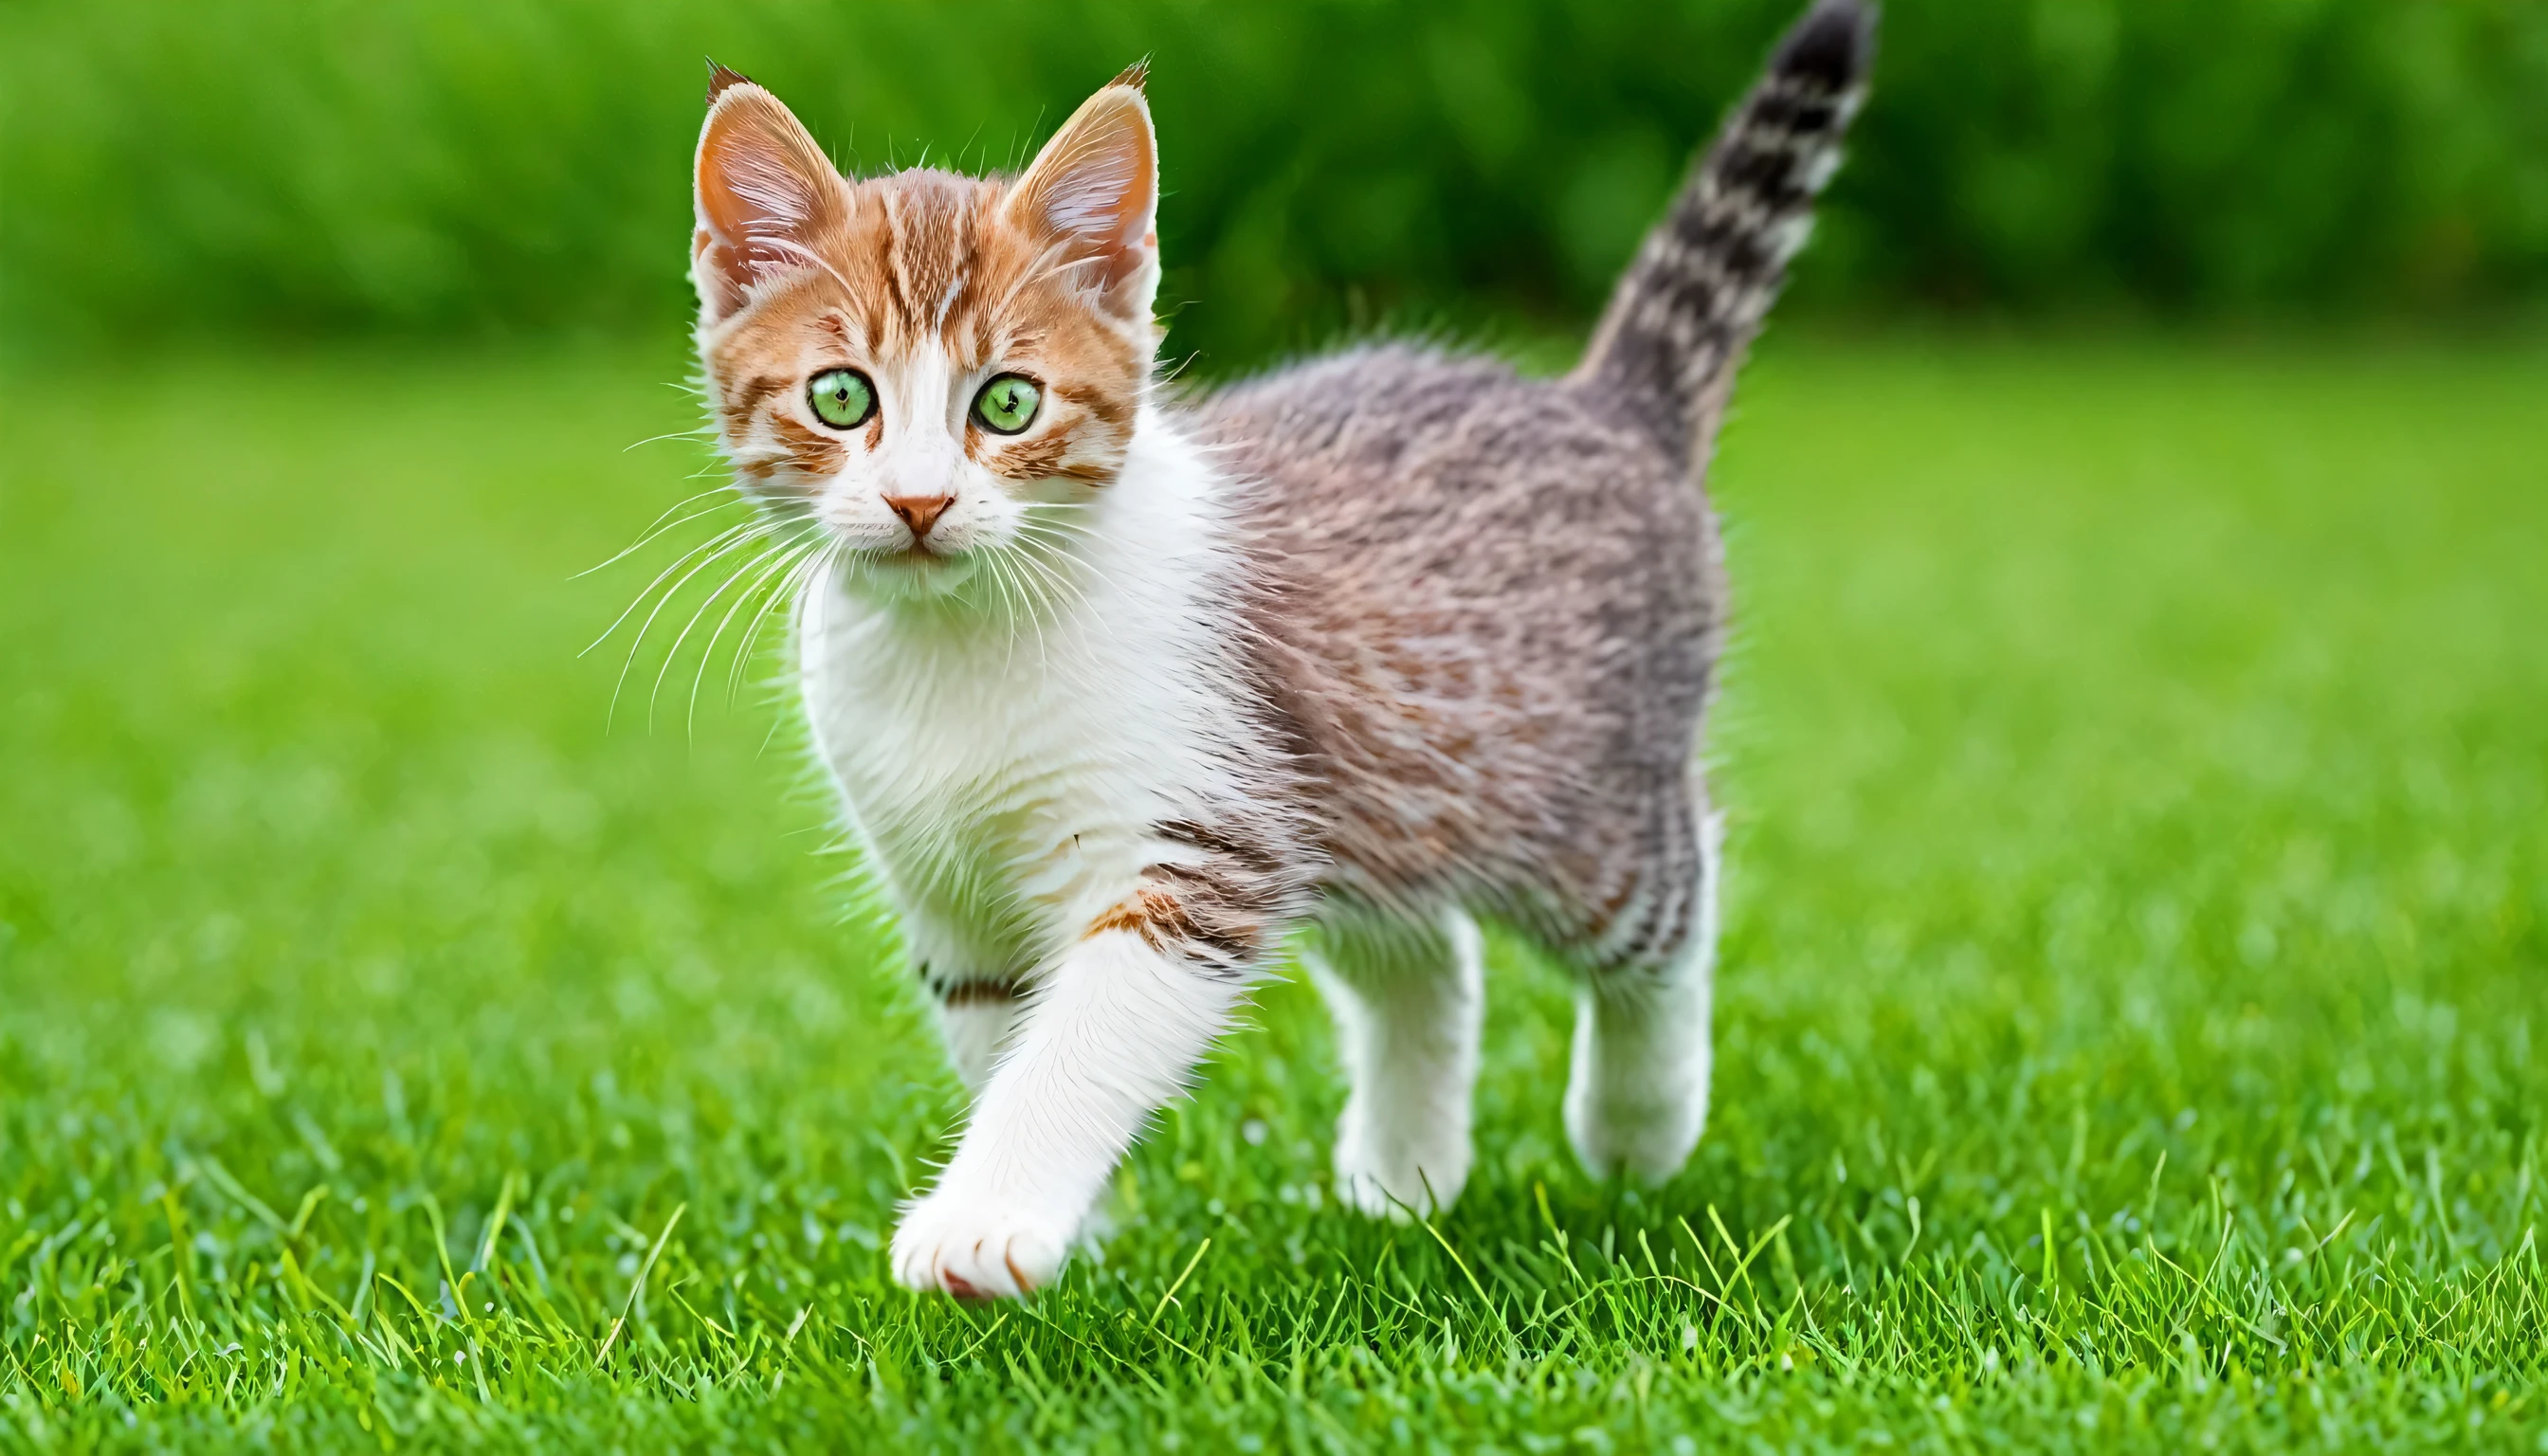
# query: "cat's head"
[[929, 369]]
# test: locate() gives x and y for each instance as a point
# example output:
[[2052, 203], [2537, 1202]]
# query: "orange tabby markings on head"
[[1036, 275]]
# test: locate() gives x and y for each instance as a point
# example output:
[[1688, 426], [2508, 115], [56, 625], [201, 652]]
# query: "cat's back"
[[1473, 577], [1405, 481], [1425, 456]]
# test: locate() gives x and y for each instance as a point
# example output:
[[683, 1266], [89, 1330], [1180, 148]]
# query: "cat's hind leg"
[[1408, 998], [978, 1005], [1636, 1097], [978, 1019]]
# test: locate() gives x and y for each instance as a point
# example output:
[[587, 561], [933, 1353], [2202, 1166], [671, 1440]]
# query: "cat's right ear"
[[762, 192]]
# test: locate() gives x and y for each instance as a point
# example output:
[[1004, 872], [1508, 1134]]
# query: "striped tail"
[[1677, 326]]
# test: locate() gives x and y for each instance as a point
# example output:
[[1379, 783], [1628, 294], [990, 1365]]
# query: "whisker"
[[672, 654], [1059, 591], [660, 527], [650, 586], [795, 551], [1061, 536], [695, 432], [757, 598], [1013, 590], [648, 626], [1026, 554], [798, 580]]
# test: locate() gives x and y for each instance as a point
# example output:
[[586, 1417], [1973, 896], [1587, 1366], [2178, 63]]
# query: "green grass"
[[2141, 840]]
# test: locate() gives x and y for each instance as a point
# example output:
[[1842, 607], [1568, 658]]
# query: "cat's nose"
[[919, 512]]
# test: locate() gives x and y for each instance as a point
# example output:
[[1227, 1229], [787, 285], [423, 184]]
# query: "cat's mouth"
[[918, 570]]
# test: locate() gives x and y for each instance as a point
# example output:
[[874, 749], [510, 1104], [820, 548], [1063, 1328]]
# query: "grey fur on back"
[[1490, 606]]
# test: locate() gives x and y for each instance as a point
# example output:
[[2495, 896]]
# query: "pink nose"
[[919, 512]]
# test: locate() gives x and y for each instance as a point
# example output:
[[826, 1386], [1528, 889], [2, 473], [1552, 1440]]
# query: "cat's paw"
[[979, 1248], [1397, 1176], [1646, 1136]]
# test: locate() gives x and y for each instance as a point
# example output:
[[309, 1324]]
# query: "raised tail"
[[1676, 325]]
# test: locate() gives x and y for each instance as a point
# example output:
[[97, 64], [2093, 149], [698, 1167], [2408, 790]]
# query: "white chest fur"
[[1004, 776]]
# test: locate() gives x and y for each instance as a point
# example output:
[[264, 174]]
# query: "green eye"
[[1007, 405], [842, 398]]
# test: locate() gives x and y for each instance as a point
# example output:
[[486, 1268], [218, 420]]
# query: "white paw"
[[979, 1248], [1648, 1138], [1397, 1174]]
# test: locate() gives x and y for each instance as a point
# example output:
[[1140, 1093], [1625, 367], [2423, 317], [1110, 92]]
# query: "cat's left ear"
[[1094, 192]]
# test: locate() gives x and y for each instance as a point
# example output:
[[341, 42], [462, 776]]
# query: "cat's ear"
[[1093, 192], [762, 192]]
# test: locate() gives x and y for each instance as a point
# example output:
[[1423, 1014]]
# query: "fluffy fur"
[[1376, 645]]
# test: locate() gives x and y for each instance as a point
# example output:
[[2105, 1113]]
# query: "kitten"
[[1118, 689]]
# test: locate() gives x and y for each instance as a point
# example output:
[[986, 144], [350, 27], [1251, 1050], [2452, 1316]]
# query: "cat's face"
[[934, 372]]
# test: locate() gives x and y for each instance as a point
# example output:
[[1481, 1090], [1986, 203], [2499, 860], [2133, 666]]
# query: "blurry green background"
[[2137, 947], [401, 166]]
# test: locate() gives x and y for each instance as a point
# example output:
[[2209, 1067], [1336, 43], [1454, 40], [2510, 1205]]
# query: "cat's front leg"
[[1107, 1037]]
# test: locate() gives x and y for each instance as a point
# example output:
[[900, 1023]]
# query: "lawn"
[[2129, 1027]]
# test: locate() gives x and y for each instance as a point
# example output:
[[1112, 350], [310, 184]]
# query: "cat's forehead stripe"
[[928, 245]]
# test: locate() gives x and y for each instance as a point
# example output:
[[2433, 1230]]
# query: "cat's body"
[[1492, 623], [1119, 689]]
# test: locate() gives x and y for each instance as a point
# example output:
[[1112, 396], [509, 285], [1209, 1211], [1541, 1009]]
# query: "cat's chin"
[[910, 576]]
